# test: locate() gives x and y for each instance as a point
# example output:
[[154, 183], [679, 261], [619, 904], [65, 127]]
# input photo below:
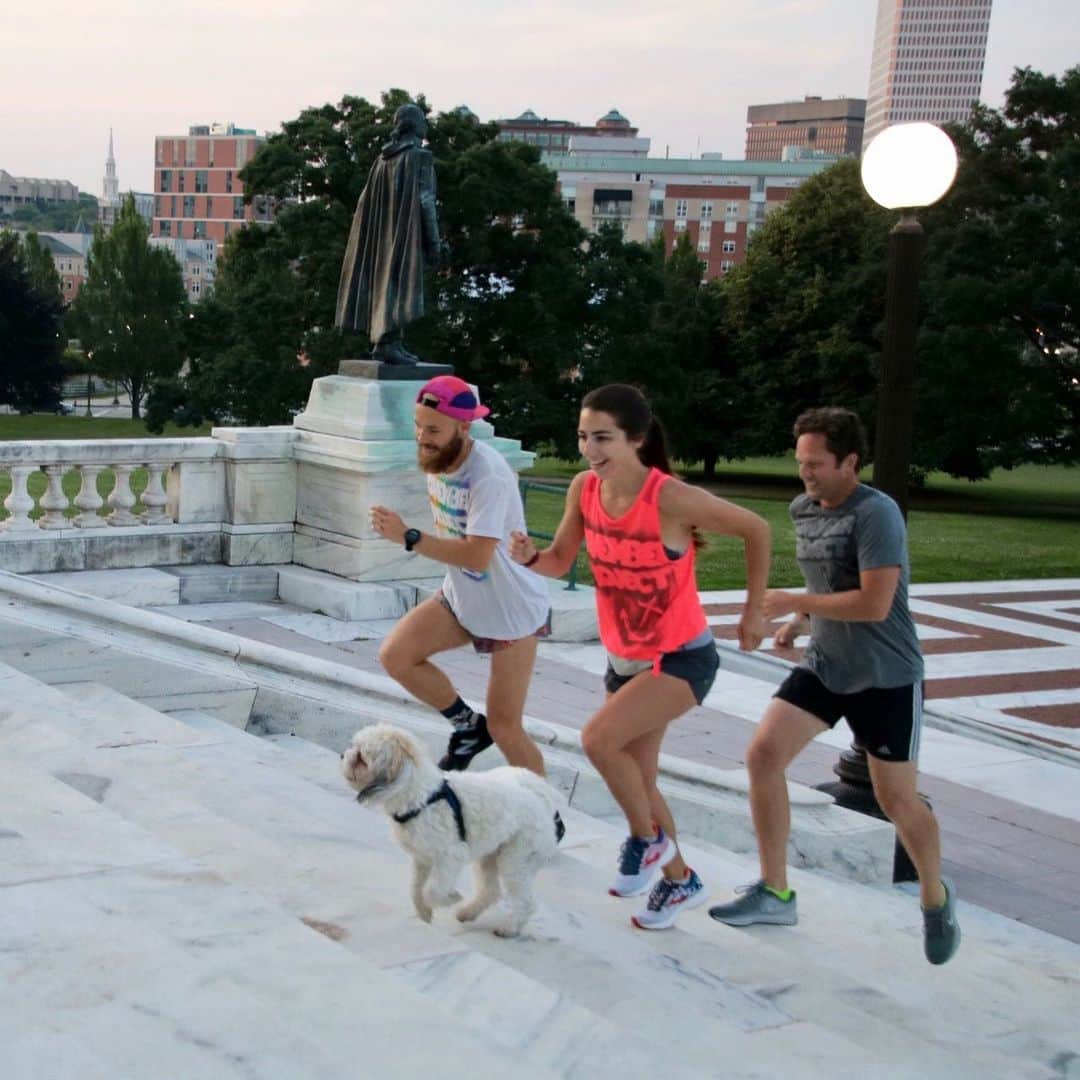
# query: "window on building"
[[209, 207], [728, 247], [172, 206], [703, 242], [179, 229], [180, 180], [706, 211], [166, 179], [189, 152], [680, 224], [680, 208], [194, 288], [705, 227], [238, 209], [726, 265], [228, 180], [731, 226], [732, 209], [656, 207], [200, 181], [200, 230], [189, 206], [571, 205]]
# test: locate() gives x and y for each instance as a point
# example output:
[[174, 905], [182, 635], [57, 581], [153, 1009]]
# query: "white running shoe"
[[640, 860]]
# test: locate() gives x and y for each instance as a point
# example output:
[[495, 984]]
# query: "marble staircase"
[[187, 899]]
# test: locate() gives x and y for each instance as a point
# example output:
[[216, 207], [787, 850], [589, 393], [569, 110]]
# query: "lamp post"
[[906, 167]]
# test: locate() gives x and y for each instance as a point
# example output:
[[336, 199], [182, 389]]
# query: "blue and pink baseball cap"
[[452, 397]]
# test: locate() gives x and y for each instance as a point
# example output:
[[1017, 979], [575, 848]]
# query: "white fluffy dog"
[[501, 820]]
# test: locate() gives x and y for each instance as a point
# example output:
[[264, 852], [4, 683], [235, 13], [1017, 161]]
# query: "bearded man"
[[486, 598]]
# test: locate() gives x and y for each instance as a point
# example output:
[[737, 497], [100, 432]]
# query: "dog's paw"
[[424, 912], [447, 899], [468, 912]]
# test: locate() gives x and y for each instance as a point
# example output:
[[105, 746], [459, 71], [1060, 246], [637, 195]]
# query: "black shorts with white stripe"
[[886, 721]]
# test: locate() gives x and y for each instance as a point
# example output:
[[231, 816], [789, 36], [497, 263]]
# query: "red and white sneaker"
[[667, 899], [640, 860]]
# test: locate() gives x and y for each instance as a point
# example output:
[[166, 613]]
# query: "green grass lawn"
[[944, 545], [87, 427]]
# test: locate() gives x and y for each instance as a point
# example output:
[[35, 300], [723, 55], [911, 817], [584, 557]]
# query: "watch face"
[[412, 536]]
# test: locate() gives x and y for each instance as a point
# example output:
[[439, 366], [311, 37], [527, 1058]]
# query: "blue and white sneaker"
[[667, 899], [640, 860]]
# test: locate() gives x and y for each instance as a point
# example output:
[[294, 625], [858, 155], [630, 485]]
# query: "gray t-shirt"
[[865, 532]]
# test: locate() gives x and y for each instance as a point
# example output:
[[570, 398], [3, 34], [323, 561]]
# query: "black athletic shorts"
[[697, 667], [886, 721]]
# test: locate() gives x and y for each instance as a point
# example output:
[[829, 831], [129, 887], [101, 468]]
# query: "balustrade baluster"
[[154, 497], [88, 500], [54, 502], [121, 498], [19, 503]]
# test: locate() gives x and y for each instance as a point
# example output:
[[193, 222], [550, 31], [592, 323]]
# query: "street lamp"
[[906, 167]]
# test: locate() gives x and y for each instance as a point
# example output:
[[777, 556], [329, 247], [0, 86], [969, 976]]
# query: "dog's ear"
[[400, 752]]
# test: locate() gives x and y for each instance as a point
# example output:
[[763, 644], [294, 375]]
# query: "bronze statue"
[[393, 239]]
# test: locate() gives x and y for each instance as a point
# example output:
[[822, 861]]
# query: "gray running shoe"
[[756, 904], [941, 931]]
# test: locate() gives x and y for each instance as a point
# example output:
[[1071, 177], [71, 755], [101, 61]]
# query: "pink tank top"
[[647, 603]]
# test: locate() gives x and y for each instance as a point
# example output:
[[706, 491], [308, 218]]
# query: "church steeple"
[[110, 185]]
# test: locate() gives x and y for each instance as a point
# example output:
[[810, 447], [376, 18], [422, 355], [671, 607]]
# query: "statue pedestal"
[[375, 369], [355, 448]]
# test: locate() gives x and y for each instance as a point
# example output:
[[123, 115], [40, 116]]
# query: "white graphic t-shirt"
[[481, 498]]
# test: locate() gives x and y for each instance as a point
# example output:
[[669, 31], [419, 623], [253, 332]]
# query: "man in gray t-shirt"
[[834, 545], [863, 664]]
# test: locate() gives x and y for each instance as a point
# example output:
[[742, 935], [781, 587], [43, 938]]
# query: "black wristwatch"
[[412, 538]]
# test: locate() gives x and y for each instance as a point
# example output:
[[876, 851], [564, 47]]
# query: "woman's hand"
[[522, 549], [751, 629]]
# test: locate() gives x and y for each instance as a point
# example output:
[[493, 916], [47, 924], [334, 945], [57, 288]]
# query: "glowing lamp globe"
[[909, 165]]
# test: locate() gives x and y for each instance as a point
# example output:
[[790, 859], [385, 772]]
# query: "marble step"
[[853, 964], [121, 957], [229, 805], [56, 657]]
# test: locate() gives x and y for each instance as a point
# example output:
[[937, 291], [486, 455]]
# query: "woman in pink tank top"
[[641, 528]]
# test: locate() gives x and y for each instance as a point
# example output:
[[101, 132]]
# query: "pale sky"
[[683, 73]]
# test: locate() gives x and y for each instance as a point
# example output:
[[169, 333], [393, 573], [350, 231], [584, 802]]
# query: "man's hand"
[[751, 629], [780, 602], [388, 524], [784, 638], [522, 549]]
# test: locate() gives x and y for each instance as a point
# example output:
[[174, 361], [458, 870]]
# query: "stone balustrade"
[[88, 460], [299, 493]]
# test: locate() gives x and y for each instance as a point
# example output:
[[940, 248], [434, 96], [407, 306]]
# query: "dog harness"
[[444, 792]]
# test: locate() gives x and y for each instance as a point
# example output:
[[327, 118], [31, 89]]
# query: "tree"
[[31, 325], [1002, 287], [802, 314], [131, 312]]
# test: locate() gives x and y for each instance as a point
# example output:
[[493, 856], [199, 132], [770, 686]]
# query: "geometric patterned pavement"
[[1006, 654]]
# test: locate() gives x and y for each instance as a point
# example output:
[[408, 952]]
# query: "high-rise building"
[[927, 63], [198, 194], [832, 126]]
